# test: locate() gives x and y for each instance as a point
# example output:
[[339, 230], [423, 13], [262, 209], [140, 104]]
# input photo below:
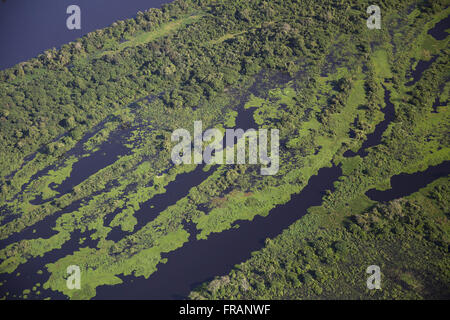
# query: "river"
[[29, 27], [198, 260]]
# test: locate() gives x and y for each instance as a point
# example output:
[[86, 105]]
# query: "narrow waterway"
[[421, 66], [200, 260], [107, 154], [26, 275], [375, 137], [405, 184], [439, 31], [175, 190], [28, 27]]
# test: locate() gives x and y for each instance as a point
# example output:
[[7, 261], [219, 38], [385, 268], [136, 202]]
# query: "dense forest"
[[311, 69]]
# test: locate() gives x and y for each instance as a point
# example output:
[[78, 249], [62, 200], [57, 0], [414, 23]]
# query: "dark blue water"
[[29, 27], [405, 184], [28, 271], [439, 31], [150, 209], [200, 260], [422, 65], [376, 137]]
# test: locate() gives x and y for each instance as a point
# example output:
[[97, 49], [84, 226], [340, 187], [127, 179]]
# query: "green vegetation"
[[325, 254], [310, 69]]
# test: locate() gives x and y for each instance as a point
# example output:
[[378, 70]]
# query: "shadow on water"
[[405, 184], [375, 137], [200, 260]]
